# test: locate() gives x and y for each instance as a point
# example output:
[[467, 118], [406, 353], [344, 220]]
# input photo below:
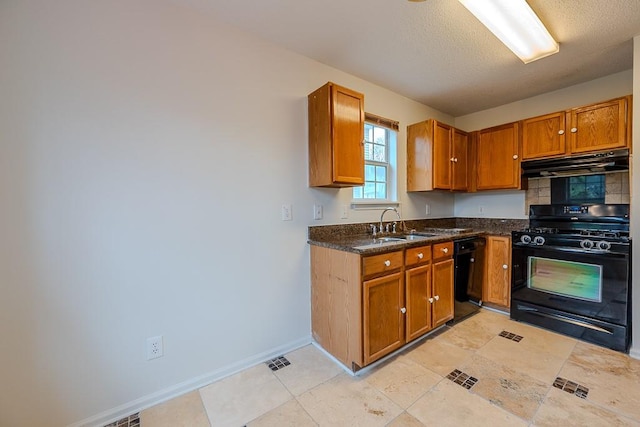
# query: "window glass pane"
[[379, 153], [368, 151], [380, 135], [369, 173], [369, 190], [368, 133]]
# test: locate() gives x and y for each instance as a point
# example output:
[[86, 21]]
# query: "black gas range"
[[571, 272], [590, 228]]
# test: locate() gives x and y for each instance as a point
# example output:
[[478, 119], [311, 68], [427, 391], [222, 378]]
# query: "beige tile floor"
[[514, 386]]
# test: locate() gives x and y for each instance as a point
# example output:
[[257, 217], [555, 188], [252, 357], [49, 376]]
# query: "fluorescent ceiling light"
[[516, 25]]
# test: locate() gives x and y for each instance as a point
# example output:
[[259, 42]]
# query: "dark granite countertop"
[[366, 244], [357, 238]]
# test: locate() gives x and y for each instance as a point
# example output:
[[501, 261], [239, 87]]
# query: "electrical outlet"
[[286, 212], [480, 210], [344, 213], [317, 211], [427, 209], [154, 347]]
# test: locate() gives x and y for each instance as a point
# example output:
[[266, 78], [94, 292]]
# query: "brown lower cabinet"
[[497, 282], [365, 307]]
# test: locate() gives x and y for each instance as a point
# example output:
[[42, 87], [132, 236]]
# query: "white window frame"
[[392, 166]]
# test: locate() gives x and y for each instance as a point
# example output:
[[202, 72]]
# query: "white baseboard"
[[634, 352], [192, 384]]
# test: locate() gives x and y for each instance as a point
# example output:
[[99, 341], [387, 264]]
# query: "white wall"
[[635, 204], [145, 152], [511, 204]]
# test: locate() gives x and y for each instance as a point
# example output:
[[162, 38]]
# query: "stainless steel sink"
[[400, 238]]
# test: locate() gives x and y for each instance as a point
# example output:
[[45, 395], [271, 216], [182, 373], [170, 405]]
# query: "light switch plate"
[[287, 214]]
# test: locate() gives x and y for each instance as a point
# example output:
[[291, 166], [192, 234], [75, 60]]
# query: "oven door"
[[576, 293]]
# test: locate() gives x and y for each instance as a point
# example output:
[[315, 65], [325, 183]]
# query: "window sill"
[[373, 204]]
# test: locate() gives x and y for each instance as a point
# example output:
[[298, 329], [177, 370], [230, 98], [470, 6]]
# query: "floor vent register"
[[278, 363]]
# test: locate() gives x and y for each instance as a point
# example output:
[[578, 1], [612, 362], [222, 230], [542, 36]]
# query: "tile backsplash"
[[617, 190]]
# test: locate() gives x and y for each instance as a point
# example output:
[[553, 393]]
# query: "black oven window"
[[584, 189]]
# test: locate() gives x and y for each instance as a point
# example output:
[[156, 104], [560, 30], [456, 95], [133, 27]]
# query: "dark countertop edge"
[[348, 244]]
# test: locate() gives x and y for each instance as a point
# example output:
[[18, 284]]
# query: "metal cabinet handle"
[[452, 159], [574, 130], [431, 300], [515, 157], [455, 160], [420, 256], [436, 297], [505, 266], [561, 132], [403, 310], [387, 263]]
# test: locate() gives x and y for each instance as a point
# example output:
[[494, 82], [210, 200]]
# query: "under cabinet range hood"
[[583, 164]]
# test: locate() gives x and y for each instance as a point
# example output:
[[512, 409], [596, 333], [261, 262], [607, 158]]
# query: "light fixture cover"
[[516, 25]]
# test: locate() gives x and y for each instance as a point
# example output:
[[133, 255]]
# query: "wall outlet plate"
[[286, 212], [317, 211], [155, 347]]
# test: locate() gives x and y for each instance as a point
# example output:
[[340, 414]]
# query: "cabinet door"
[[418, 291], [382, 315], [419, 156], [543, 136], [460, 161], [442, 310], [599, 127], [348, 136], [497, 288], [498, 162], [442, 156]]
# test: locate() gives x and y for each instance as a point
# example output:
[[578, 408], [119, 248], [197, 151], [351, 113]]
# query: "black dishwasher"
[[468, 256]]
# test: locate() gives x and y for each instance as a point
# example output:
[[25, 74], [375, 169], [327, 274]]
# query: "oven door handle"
[[599, 253], [565, 319]]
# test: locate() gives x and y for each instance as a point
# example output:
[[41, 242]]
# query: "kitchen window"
[[583, 189], [380, 162]]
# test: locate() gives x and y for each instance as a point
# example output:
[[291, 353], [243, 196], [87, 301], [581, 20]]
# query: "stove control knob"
[[587, 244], [525, 238], [605, 246], [538, 240]]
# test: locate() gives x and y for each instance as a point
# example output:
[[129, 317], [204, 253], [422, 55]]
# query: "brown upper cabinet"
[[544, 136], [497, 158], [602, 126], [336, 134], [437, 157]]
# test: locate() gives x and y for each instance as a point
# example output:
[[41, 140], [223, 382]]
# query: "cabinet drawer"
[[418, 255], [443, 250], [382, 263]]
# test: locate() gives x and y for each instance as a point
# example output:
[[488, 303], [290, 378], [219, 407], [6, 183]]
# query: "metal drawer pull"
[[420, 256], [387, 263], [445, 250]]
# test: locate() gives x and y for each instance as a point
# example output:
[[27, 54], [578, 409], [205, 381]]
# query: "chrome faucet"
[[385, 211]]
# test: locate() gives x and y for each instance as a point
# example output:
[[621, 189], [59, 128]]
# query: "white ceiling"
[[436, 52]]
